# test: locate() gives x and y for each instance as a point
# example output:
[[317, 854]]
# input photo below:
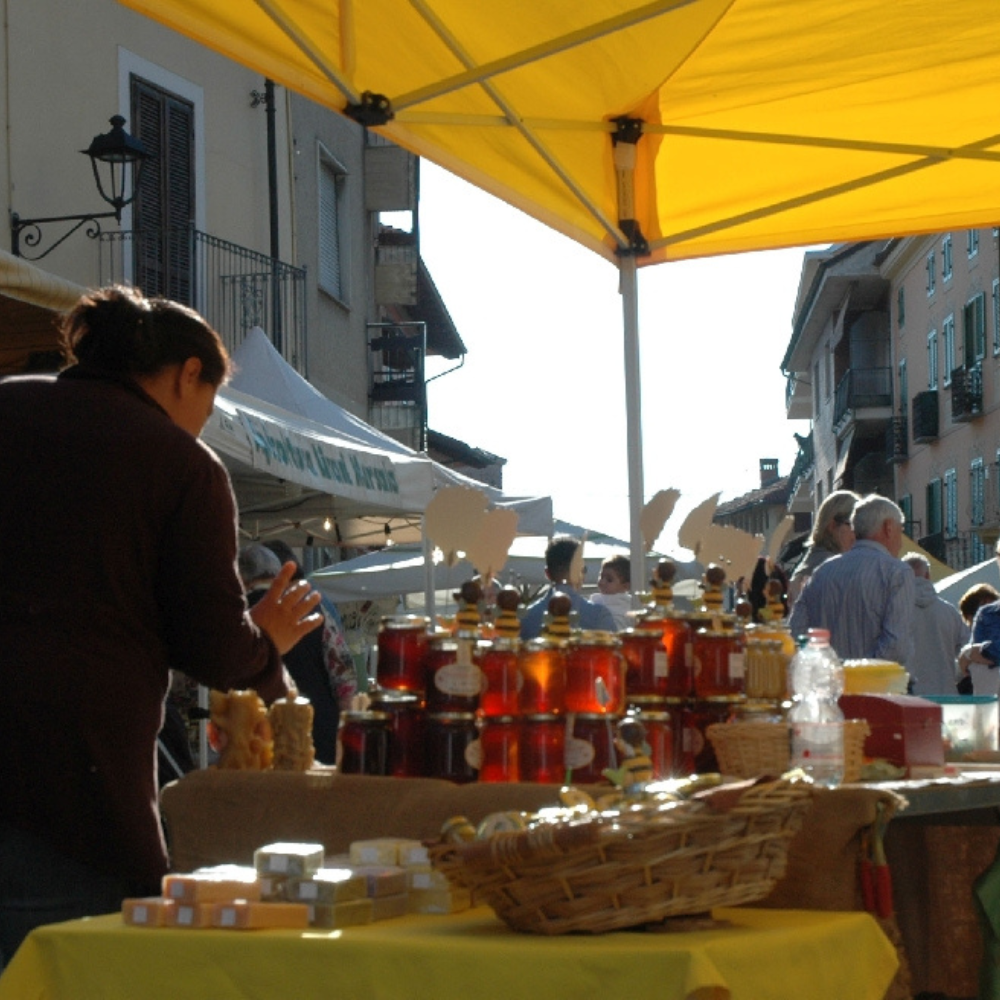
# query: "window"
[[332, 255], [996, 315], [974, 329], [946, 268], [164, 207], [950, 503], [977, 492], [900, 307], [819, 492], [948, 336], [931, 276], [972, 244], [932, 360], [828, 371], [933, 506], [906, 506], [816, 389], [904, 387]]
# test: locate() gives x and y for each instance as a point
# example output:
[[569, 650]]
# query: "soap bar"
[[382, 851], [244, 914], [189, 915], [425, 877], [273, 888], [212, 884], [439, 900], [350, 913], [148, 911], [383, 880], [288, 859], [412, 853], [328, 885], [387, 907]]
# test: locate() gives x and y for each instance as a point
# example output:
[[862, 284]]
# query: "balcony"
[[897, 439], [233, 287], [862, 389], [967, 393], [398, 391], [925, 417], [965, 549]]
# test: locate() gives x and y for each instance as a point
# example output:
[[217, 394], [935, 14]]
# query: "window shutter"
[[329, 231]]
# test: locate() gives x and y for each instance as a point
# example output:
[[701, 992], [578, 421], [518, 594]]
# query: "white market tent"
[[306, 467], [951, 588]]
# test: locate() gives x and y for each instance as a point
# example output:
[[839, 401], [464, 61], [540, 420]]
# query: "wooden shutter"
[[164, 207]]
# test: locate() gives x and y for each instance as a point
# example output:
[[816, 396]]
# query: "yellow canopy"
[[762, 123]]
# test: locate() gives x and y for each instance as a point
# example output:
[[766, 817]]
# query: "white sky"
[[543, 381]]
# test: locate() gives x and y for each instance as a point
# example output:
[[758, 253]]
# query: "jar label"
[[737, 666], [661, 665], [474, 754], [464, 680], [577, 753]]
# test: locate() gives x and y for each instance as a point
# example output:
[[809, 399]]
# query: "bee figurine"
[[468, 617], [557, 624], [715, 577], [507, 623], [636, 768], [662, 583]]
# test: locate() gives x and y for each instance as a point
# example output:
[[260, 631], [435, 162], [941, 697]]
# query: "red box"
[[905, 730]]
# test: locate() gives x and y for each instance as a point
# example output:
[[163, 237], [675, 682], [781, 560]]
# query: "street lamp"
[[117, 151]]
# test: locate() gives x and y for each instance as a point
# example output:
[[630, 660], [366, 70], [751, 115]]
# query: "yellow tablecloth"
[[756, 955]]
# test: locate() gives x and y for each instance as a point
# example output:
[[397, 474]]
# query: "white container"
[[968, 723]]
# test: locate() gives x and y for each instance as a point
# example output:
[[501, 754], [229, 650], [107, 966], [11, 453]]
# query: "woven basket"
[[751, 749], [611, 871]]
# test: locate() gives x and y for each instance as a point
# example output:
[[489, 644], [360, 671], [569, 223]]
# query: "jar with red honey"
[[402, 643], [453, 677], [662, 727], [677, 635], [498, 663], [451, 748], [647, 666], [719, 664], [541, 749], [595, 674], [541, 667], [589, 747], [405, 710], [363, 742], [498, 743]]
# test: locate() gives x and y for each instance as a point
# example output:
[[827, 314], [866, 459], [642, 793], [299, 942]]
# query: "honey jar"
[[719, 664], [595, 674], [498, 739], [498, 663], [647, 665], [663, 727], [453, 678], [405, 710], [450, 735], [677, 635], [363, 742], [402, 643], [540, 749], [589, 748], [697, 753], [542, 671]]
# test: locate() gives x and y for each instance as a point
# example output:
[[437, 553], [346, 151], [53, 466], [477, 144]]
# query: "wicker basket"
[[611, 871], [750, 749]]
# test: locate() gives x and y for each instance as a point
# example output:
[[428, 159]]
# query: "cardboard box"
[[905, 730]]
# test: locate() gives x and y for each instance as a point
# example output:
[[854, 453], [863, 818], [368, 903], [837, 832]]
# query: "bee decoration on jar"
[[636, 768], [468, 617], [507, 622], [715, 577], [662, 583], [557, 619], [774, 610]]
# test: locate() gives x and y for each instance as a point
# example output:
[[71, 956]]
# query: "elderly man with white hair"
[[866, 596]]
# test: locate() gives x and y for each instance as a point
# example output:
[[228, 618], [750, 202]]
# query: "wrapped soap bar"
[[380, 851], [350, 913], [412, 853], [190, 915], [328, 885], [273, 887], [246, 915], [383, 880], [439, 901], [288, 859], [387, 907], [212, 885], [425, 877], [147, 911]]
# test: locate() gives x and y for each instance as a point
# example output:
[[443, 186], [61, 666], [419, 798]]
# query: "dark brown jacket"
[[118, 551]]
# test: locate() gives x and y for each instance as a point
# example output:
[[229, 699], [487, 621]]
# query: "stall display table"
[[751, 955]]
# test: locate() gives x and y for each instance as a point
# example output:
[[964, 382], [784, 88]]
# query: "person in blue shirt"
[[564, 569]]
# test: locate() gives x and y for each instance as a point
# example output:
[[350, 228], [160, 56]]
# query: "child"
[[613, 589]]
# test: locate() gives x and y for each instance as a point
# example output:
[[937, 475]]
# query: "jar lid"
[[594, 638], [503, 720], [389, 696], [642, 634], [721, 699], [404, 622], [364, 715], [647, 699], [545, 717], [452, 717], [647, 715], [502, 644], [596, 717], [717, 633]]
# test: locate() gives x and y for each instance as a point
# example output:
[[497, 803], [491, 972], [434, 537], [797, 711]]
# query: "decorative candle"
[[291, 723], [242, 730]]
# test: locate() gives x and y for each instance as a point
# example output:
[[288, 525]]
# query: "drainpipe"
[[272, 198]]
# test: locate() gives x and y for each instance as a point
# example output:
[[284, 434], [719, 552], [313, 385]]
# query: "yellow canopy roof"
[[764, 123]]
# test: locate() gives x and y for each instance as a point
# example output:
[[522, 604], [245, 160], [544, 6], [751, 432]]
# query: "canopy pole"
[[633, 419], [428, 550], [629, 131]]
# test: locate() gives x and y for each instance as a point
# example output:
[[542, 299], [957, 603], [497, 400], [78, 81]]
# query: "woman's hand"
[[285, 612], [973, 653]]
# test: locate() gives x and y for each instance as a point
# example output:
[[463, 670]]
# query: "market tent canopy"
[[756, 124], [365, 481], [662, 130], [951, 588]]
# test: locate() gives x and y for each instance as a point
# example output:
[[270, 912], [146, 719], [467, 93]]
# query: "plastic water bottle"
[[816, 679]]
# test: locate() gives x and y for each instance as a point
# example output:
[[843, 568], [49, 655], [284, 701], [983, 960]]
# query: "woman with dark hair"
[[118, 537]]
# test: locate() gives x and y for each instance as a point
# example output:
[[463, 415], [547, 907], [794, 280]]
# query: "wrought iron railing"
[[967, 393], [862, 388], [925, 416], [233, 287], [897, 440]]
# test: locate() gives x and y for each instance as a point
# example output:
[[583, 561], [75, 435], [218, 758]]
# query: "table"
[[755, 955]]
